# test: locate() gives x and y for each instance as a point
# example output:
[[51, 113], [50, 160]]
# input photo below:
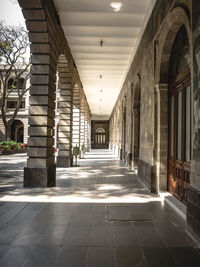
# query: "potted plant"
[[83, 149], [76, 153]]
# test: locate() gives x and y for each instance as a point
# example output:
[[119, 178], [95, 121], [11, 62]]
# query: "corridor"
[[99, 215]]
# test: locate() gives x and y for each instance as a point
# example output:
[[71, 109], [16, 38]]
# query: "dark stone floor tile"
[[185, 256], [53, 235], [81, 218], [158, 257], [125, 236], [134, 212], [72, 257], [173, 238], [15, 256], [9, 233], [43, 257], [100, 257], [3, 250], [101, 235], [30, 235], [12, 210], [130, 256], [148, 236], [77, 236], [52, 218]]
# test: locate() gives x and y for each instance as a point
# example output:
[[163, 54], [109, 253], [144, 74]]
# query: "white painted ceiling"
[[86, 23]]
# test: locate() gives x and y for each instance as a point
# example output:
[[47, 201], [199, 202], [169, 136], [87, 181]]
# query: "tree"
[[14, 46]]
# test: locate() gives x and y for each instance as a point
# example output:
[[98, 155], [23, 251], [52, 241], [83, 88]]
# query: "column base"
[[193, 209], [64, 162], [40, 177]]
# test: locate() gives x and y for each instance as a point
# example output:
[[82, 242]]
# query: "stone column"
[[40, 170], [86, 124], [82, 122], [136, 133], [89, 132], [64, 158], [76, 118], [161, 136]]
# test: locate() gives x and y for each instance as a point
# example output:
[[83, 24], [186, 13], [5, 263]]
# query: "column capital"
[[135, 109], [161, 88]]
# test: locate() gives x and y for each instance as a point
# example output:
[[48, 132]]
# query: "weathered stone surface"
[[40, 177], [64, 161]]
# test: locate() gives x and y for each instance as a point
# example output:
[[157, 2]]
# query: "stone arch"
[[164, 42], [173, 22], [17, 131]]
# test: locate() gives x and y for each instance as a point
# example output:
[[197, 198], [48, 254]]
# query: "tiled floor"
[[99, 215]]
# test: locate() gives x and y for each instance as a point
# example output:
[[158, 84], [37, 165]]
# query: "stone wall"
[[149, 72]]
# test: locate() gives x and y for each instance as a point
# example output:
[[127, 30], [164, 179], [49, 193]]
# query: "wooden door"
[[179, 136]]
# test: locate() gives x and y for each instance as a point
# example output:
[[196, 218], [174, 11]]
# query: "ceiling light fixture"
[[101, 43], [100, 76], [116, 6]]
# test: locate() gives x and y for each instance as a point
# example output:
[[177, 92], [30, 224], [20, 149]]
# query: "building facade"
[[19, 127]]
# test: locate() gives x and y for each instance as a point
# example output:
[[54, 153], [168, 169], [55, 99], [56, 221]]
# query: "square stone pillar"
[[82, 123], [161, 136], [40, 170], [64, 158], [89, 132], [76, 118], [86, 125]]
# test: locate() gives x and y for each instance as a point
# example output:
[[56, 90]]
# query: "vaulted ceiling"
[[103, 43]]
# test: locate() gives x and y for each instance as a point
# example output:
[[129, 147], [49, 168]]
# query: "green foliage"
[[75, 151], [12, 145], [83, 148]]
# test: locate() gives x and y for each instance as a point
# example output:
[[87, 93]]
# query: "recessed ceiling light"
[[116, 6]]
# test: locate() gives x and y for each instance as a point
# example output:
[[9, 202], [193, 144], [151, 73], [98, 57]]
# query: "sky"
[[10, 11]]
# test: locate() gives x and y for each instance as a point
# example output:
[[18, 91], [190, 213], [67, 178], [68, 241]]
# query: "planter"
[[82, 154]]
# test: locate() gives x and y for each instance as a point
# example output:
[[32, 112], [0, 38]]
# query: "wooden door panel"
[[178, 170]]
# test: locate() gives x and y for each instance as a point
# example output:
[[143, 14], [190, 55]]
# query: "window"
[[12, 104], [12, 83]]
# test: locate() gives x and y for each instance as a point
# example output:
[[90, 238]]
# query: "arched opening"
[[167, 56], [100, 137], [100, 134], [179, 93], [17, 131]]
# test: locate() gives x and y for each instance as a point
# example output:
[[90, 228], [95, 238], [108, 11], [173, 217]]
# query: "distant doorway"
[[17, 131], [100, 135]]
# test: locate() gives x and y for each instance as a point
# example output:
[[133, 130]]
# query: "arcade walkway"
[[99, 215]]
